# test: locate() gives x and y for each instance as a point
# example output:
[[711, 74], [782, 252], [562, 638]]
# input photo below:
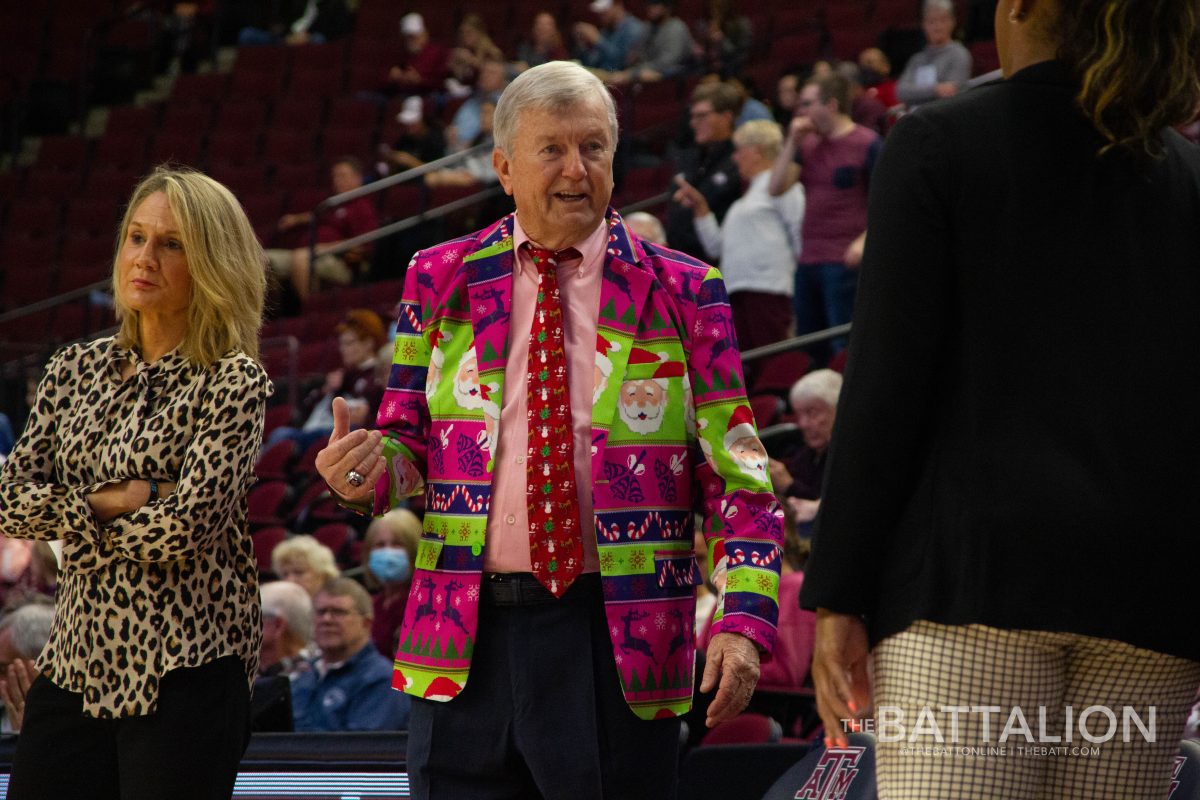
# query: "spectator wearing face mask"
[[389, 551]]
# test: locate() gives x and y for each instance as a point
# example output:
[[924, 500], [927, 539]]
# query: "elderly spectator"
[[138, 455], [664, 52], [360, 334], [611, 49], [832, 157], [814, 402], [23, 633], [344, 222], [303, 560], [943, 67], [388, 554], [544, 43], [421, 139], [724, 39], [423, 64], [529, 602], [994, 527], [758, 242], [348, 687], [648, 227], [709, 165], [287, 611], [467, 123]]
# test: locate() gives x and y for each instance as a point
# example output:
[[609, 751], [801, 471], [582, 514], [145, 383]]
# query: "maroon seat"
[[265, 503], [67, 153], [273, 464], [264, 541], [276, 416], [337, 536]]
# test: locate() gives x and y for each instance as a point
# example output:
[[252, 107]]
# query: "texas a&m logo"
[[833, 775], [1179, 762]]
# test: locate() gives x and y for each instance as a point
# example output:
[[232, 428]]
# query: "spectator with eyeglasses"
[[349, 685]]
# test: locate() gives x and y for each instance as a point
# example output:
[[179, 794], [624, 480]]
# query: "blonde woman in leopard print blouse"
[[137, 456]]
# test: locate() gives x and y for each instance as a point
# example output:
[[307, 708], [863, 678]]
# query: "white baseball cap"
[[412, 24], [410, 111], [600, 6]]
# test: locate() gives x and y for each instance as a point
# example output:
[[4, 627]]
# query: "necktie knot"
[[545, 259]]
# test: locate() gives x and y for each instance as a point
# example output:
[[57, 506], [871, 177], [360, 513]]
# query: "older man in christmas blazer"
[[553, 598]]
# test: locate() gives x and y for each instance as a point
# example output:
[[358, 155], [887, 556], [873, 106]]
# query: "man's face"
[[709, 125], [559, 172], [491, 77], [344, 178], [938, 26], [810, 105], [815, 419], [340, 631], [787, 92]]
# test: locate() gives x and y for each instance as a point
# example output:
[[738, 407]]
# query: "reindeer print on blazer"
[[669, 407]]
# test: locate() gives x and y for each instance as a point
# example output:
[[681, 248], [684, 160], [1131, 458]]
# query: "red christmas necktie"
[[555, 542]]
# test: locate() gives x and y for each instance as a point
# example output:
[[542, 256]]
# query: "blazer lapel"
[[624, 290]]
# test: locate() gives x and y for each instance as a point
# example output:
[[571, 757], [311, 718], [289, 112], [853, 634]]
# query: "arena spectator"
[[758, 242], [421, 139], [303, 560], [610, 49], [544, 43], [752, 107], [349, 686], [475, 169], [709, 165], [473, 49], [467, 123], [423, 63], [798, 478], [875, 72], [299, 22], [647, 227], [287, 612], [666, 49], [360, 334], [865, 108], [344, 222], [832, 157], [787, 95], [23, 633], [943, 67], [388, 554], [723, 38], [6, 437]]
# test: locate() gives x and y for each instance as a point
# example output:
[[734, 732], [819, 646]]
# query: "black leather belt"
[[523, 589]]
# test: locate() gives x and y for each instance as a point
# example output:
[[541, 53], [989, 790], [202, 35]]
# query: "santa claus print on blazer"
[[672, 435]]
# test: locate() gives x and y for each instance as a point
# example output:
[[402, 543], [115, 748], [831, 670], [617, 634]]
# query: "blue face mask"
[[389, 564]]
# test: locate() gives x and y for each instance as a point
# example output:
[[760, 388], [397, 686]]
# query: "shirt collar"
[[591, 248], [118, 355]]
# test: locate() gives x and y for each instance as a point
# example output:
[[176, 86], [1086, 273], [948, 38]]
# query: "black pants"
[[542, 714], [189, 749]]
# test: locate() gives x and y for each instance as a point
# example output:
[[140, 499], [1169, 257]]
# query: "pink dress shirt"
[[579, 288]]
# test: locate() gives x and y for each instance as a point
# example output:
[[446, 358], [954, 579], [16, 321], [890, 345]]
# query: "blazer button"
[[511, 519]]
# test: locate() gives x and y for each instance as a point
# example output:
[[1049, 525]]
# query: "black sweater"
[[1018, 438]]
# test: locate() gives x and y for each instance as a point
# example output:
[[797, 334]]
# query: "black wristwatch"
[[153, 490]]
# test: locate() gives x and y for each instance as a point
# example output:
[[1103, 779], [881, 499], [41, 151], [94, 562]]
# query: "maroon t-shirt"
[[352, 219], [835, 174], [430, 63]]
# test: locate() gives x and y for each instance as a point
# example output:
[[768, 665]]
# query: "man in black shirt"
[[709, 166]]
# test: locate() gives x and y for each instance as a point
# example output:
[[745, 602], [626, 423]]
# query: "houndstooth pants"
[[973, 686]]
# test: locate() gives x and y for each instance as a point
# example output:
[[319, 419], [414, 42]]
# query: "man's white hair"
[[554, 86], [288, 601]]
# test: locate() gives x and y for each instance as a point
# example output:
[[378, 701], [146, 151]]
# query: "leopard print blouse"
[[175, 583]]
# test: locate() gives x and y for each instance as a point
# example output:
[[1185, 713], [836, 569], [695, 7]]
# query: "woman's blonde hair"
[[225, 262], [307, 549], [762, 134], [1137, 64]]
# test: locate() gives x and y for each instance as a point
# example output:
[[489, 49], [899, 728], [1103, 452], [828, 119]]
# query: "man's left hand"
[[734, 660]]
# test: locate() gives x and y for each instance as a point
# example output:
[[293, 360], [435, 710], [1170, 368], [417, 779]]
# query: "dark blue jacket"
[[357, 696]]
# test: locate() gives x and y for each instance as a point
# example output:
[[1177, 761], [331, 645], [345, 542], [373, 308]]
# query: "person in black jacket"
[[1009, 513]]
